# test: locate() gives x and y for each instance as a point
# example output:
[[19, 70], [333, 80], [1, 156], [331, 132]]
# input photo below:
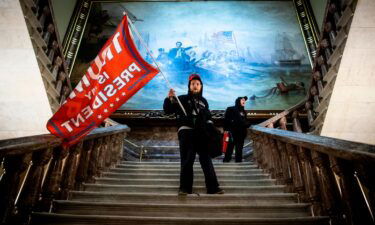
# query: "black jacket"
[[235, 119], [191, 105]]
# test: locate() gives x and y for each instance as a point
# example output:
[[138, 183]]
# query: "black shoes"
[[183, 192], [218, 191]]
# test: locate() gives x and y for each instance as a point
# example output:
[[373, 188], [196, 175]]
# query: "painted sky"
[[256, 24]]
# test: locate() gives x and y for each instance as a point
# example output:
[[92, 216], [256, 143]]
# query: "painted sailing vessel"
[[285, 54]]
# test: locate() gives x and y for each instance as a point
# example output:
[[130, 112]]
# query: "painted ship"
[[285, 54]]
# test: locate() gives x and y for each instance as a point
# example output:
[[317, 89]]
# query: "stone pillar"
[[351, 112]]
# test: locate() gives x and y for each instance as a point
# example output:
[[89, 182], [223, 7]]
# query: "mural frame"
[[74, 35]]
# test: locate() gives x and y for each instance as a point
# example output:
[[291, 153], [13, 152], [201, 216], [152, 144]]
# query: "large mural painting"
[[239, 48]]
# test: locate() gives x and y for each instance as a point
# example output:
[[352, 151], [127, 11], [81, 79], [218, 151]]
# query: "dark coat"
[[235, 119], [190, 104]]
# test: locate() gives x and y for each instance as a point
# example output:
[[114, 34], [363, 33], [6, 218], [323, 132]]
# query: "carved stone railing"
[[290, 119], [329, 52], [38, 169], [44, 36], [335, 176]]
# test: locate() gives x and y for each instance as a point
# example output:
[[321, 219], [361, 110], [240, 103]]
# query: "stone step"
[[176, 159], [152, 152], [174, 188], [199, 182], [68, 219], [182, 210], [174, 153], [161, 151], [177, 170], [162, 156], [217, 160], [177, 176], [177, 166], [137, 197], [161, 160], [171, 150], [178, 163]]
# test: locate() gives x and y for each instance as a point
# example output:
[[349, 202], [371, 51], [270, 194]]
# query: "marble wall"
[[24, 107], [351, 112]]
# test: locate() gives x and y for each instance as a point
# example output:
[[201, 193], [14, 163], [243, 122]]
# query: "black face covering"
[[238, 103]]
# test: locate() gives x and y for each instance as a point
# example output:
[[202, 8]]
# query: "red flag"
[[116, 74]]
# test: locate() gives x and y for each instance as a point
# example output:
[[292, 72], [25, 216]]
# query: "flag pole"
[[153, 59]]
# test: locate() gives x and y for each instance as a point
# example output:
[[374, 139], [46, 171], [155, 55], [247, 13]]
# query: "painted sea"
[[222, 90]]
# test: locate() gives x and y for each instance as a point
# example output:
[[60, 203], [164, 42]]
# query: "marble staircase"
[[145, 193]]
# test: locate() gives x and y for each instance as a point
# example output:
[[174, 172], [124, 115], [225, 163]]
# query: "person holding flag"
[[191, 119]]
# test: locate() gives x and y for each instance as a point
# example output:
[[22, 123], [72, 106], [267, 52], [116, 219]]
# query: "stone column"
[[351, 110], [24, 106]]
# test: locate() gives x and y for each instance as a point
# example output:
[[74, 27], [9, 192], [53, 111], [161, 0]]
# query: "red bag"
[[226, 139]]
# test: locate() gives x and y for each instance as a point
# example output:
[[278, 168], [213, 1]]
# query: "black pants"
[[190, 145], [237, 142]]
